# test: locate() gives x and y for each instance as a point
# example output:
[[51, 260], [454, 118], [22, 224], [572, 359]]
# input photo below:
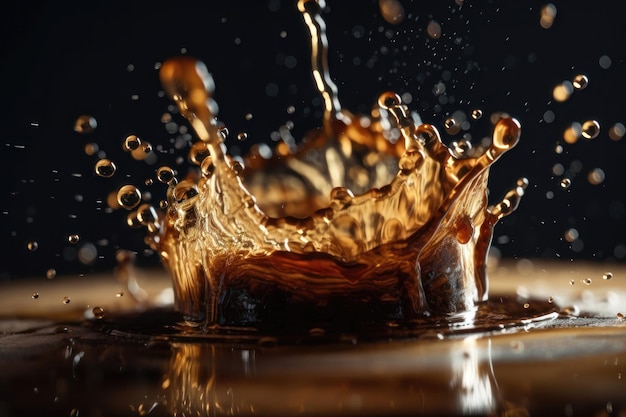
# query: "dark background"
[[98, 58]]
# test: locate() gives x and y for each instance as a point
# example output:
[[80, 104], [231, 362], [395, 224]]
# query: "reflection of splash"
[[206, 379], [473, 379]]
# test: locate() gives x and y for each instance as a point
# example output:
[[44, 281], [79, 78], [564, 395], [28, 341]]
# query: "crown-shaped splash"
[[372, 218]]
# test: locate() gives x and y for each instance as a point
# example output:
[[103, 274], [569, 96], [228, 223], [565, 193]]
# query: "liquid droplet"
[[51, 273], [85, 124], [607, 275], [98, 312], [35, 295], [73, 238], [580, 82], [131, 143], [620, 316], [128, 197], [166, 175], [477, 114], [590, 129], [587, 281], [66, 300], [241, 136], [32, 246], [119, 294], [433, 29], [105, 168], [565, 183]]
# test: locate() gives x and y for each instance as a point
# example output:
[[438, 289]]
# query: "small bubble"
[[550, 300], [607, 275], [526, 305], [85, 124], [580, 82], [119, 294], [131, 143], [565, 183], [571, 282], [558, 149], [477, 114], [128, 196], [620, 316], [66, 300], [32, 246], [51, 273], [98, 312], [248, 116], [586, 281], [105, 168], [590, 129], [35, 295], [242, 136], [73, 238]]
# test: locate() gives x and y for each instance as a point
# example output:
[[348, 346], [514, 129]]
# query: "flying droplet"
[[548, 14], [105, 168], [166, 175], [66, 300], [580, 82], [51, 273], [566, 183], [131, 143], [128, 196], [35, 295], [98, 312], [590, 129], [32, 246], [617, 131], [392, 11], [73, 238], [85, 124], [242, 136], [477, 114], [433, 29], [607, 275]]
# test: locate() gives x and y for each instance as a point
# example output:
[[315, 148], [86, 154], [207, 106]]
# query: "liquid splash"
[[373, 218]]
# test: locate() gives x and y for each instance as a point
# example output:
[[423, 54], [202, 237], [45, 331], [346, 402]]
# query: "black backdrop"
[[98, 58]]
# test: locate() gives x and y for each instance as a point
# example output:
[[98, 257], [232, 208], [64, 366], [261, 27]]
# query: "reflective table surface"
[[59, 359]]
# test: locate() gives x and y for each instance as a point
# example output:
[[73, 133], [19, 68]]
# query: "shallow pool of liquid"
[[58, 359]]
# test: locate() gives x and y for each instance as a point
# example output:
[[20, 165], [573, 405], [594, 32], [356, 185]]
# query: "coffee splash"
[[372, 218]]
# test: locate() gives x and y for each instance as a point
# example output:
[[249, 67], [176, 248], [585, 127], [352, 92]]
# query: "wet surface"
[[137, 362]]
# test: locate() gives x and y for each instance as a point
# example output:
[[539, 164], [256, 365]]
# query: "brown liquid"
[[373, 218]]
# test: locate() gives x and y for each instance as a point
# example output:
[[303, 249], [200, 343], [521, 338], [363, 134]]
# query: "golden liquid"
[[372, 218]]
